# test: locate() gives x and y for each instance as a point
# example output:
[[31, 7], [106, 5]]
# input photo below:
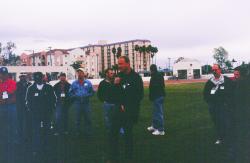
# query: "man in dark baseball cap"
[[38, 77], [8, 117], [4, 70]]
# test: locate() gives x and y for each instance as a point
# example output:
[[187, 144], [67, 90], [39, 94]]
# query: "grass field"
[[189, 132], [189, 135]]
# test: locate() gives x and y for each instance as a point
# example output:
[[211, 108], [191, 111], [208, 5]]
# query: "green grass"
[[189, 131]]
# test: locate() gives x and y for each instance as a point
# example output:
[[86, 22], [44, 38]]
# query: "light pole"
[[169, 61], [49, 48], [97, 65], [33, 57]]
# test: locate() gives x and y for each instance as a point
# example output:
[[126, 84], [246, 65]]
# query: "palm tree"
[[149, 50], [143, 51], [114, 53], [154, 50], [136, 49], [119, 52]]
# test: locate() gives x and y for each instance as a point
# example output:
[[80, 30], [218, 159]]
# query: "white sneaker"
[[217, 142], [157, 132], [151, 128]]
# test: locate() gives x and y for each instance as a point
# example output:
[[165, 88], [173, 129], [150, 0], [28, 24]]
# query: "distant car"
[[173, 78]]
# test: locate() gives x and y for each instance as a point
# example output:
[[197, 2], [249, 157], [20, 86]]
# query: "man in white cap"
[[80, 91]]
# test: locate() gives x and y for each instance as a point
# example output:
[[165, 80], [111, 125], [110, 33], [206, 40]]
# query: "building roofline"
[[66, 51], [115, 43]]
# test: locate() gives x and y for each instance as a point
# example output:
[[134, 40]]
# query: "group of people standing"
[[229, 107], [121, 95], [27, 109]]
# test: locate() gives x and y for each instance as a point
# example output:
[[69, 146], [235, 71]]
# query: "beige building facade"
[[94, 58]]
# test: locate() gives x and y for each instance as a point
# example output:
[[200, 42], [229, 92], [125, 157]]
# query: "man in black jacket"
[[22, 111], [40, 99], [106, 94], [62, 104], [129, 85], [218, 95], [156, 95], [240, 136]]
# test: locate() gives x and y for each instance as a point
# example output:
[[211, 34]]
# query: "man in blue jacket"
[[81, 90]]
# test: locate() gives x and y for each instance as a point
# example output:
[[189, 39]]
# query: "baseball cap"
[[3, 70], [38, 75], [80, 69], [23, 73]]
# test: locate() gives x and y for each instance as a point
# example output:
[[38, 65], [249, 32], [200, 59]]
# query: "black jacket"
[[241, 99], [224, 94], [156, 86], [62, 88], [107, 92], [21, 93], [131, 93], [41, 102]]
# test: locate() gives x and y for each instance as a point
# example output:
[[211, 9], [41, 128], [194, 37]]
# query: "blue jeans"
[[83, 108], [9, 115], [107, 108], [158, 119], [61, 118]]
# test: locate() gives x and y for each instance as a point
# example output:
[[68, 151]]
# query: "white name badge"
[[62, 94], [212, 91], [5, 95], [222, 87], [36, 94]]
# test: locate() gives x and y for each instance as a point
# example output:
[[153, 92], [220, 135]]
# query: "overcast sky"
[[188, 28]]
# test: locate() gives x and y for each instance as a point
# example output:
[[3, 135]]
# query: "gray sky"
[[189, 28]]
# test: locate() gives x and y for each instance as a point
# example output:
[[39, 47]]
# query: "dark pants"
[[9, 122], [220, 115], [40, 133], [120, 120], [3, 134], [23, 122], [61, 118]]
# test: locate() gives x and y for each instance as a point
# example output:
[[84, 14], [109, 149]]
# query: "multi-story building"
[[95, 58]]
